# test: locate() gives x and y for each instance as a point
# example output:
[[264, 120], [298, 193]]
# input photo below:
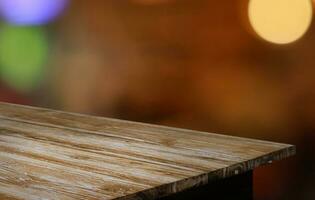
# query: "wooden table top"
[[48, 154]]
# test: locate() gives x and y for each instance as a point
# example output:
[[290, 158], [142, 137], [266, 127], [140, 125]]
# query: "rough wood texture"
[[47, 154]]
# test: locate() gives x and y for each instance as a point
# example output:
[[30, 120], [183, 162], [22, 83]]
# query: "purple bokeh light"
[[31, 12]]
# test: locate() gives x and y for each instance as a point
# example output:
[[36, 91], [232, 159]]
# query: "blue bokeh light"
[[31, 12]]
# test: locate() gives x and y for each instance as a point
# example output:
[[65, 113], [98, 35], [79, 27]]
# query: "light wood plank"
[[48, 154]]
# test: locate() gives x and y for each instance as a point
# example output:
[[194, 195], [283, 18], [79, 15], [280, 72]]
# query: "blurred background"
[[243, 67]]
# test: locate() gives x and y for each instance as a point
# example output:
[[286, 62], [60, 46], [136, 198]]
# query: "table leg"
[[235, 187]]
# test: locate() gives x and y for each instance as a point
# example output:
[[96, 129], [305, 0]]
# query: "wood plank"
[[59, 155]]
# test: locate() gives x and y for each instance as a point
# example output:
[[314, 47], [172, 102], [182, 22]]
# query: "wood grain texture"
[[48, 154]]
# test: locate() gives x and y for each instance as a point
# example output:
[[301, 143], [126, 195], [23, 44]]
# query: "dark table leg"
[[236, 187]]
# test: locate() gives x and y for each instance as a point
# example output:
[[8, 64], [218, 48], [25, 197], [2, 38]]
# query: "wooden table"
[[47, 154]]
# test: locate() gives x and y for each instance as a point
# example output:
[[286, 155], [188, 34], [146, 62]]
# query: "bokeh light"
[[31, 12], [23, 52], [280, 21]]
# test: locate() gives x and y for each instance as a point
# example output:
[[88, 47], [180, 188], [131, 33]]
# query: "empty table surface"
[[48, 154]]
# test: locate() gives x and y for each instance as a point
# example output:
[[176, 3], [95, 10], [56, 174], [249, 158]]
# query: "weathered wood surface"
[[48, 154]]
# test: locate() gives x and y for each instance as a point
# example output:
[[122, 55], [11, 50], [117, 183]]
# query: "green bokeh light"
[[23, 53]]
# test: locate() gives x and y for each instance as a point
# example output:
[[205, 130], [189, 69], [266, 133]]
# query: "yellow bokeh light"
[[280, 21]]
